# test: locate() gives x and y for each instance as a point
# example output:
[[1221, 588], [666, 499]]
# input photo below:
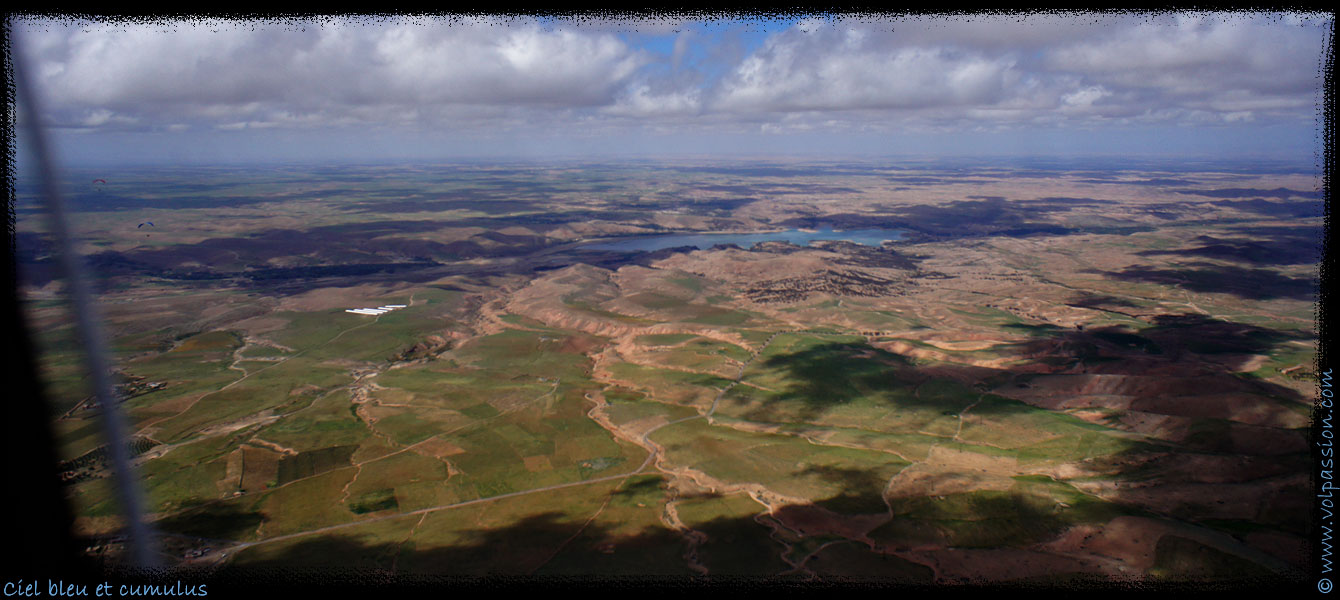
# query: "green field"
[[1142, 364]]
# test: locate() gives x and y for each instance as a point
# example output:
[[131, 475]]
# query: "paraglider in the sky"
[[99, 181], [149, 223]]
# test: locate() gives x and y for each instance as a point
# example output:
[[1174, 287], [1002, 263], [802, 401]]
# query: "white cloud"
[[1198, 58], [1050, 69], [97, 117], [824, 69], [1085, 97], [640, 101], [500, 75], [196, 72]]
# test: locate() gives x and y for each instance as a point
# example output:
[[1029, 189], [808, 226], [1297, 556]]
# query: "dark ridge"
[[776, 188], [1281, 210], [1149, 182], [112, 202], [1074, 201], [1251, 284], [1088, 300], [1281, 193], [1290, 252], [763, 171]]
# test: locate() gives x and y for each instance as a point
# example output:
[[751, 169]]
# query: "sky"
[[376, 89]]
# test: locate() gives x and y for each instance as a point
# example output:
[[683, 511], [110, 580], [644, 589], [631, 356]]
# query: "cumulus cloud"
[[846, 74], [1199, 58], [1036, 68], [328, 69], [641, 101], [833, 70]]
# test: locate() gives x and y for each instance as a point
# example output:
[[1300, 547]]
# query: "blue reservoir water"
[[702, 241]]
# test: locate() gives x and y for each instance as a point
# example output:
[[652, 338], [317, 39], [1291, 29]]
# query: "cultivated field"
[[1084, 372]]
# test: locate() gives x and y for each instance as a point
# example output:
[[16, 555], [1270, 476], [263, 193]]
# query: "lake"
[[702, 241]]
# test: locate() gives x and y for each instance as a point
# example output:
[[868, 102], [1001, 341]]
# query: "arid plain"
[[1049, 372]]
